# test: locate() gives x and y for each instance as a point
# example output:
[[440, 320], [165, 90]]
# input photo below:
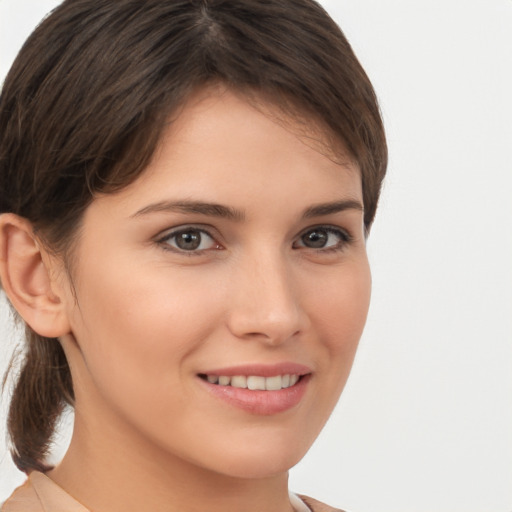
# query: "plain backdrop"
[[425, 422]]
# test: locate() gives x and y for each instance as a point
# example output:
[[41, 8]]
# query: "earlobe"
[[27, 279]]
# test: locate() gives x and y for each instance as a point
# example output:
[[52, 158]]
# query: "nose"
[[266, 303]]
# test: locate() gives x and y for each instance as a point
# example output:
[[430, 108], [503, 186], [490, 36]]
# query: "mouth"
[[259, 389], [254, 382]]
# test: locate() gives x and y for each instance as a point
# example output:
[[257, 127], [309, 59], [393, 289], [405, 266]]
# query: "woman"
[[187, 187]]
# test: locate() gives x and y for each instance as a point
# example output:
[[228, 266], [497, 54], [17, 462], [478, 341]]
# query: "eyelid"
[[167, 234], [345, 237]]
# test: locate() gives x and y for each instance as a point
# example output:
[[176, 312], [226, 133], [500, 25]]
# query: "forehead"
[[230, 125], [242, 106], [227, 148]]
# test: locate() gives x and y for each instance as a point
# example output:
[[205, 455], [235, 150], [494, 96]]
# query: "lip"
[[264, 403], [263, 370]]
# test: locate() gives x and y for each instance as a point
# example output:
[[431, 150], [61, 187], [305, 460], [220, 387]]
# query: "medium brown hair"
[[85, 103]]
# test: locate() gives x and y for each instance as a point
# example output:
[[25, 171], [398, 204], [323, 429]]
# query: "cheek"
[[338, 312], [340, 306], [136, 327]]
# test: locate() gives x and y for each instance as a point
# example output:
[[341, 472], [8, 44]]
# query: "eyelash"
[[164, 241], [344, 239]]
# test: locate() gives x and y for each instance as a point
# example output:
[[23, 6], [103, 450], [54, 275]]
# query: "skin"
[[141, 318]]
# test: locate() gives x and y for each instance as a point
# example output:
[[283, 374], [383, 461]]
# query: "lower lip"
[[263, 403]]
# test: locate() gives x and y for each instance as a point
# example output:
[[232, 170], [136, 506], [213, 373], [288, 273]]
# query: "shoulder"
[[23, 499], [317, 506], [41, 494]]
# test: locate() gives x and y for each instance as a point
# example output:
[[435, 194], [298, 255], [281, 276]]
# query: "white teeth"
[[255, 382], [239, 381], [224, 381], [273, 383]]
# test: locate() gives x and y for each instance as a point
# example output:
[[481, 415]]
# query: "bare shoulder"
[[23, 499], [317, 506]]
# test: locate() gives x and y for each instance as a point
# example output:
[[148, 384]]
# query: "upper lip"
[[262, 370]]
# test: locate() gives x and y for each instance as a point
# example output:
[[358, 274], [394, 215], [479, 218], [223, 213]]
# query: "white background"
[[425, 423]]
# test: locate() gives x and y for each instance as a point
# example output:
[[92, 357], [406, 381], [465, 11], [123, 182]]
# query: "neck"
[[110, 470]]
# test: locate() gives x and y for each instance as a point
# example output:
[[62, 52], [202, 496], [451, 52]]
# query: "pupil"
[[315, 239], [189, 240]]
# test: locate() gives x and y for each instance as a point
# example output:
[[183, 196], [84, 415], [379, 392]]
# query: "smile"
[[258, 394], [254, 382]]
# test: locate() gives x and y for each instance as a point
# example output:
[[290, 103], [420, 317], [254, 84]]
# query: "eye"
[[189, 240], [323, 237]]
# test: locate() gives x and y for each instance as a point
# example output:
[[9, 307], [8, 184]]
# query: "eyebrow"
[[203, 208], [333, 207], [227, 212]]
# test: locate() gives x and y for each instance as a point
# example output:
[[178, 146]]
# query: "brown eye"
[[189, 240], [315, 239], [323, 238]]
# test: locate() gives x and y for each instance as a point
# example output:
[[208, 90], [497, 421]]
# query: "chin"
[[258, 462]]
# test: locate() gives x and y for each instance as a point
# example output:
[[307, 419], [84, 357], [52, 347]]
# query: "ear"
[[28, 278]]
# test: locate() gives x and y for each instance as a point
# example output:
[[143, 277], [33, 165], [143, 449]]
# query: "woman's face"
[[237, 259]]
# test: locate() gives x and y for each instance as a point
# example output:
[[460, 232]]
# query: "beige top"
[[41, 494]]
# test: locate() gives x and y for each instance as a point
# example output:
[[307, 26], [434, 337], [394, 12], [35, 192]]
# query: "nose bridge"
[[267, 301]]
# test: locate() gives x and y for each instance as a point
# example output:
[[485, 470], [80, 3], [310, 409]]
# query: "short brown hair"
[[85, 103]]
